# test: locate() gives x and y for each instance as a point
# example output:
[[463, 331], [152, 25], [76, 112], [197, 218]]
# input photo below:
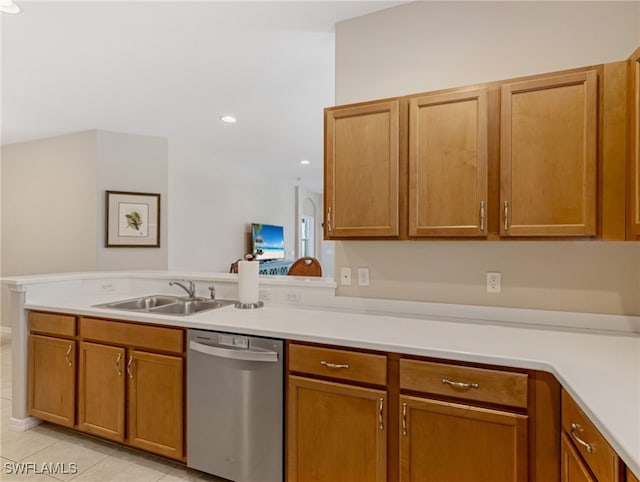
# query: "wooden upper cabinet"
[[448, 164], [633, 225], [549, 130], [361, 170]]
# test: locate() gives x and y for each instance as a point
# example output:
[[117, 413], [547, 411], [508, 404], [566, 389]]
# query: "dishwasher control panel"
[[234, 341]]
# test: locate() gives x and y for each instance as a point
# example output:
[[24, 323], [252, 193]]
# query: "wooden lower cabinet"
[[573, 468], [336, 432], [450, 442], [52, 379], [156, 403], [101, 390], [146, 389]]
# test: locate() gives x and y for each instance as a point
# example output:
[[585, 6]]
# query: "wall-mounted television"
[[269, 239]]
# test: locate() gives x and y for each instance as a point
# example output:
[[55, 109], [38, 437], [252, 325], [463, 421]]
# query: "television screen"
[[269, 239]]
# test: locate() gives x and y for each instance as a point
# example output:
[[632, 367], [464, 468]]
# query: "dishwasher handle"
[[243, 355]]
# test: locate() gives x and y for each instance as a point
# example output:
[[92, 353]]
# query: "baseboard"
[[22, 425]]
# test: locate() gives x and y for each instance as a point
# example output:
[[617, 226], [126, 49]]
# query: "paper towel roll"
[[248, 281]]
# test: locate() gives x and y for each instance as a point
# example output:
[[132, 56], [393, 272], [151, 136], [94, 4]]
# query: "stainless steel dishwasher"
[[235, 394]]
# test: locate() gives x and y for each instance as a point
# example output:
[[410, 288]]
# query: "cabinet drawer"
[[131, 334], [602, 459], [479, 384], [342, 364], [52, 323]]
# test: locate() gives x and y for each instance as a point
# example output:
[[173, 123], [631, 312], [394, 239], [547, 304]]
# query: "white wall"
[[213, 205], [132, 163], [53, 214], [49, 207], [425, 46]]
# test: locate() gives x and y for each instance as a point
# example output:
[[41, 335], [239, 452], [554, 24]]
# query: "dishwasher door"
[[235, 406]]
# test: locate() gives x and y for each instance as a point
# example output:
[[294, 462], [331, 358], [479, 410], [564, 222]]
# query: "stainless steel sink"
[[167, 305], [144, 303], [188, 307]]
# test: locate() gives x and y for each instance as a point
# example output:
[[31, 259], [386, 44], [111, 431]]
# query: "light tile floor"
[[47, 451]]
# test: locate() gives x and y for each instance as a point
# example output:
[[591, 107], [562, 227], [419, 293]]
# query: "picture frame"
[[132, 219]]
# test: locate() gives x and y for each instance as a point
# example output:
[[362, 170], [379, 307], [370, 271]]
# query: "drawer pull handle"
[[404, 418], [462, 385], [380, 414], [333, 365], [118, 358], [578, 428], [66, 356]]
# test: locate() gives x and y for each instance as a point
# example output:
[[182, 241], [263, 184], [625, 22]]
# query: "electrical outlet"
[[345, 276], [493, 282], [264, 295], [363, 276], [293, 296], [107, 286]]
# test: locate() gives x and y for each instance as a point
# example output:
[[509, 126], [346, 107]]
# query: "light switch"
[[363, 276]]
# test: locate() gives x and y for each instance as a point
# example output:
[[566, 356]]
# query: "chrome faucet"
[[212, 292], [190, 288]]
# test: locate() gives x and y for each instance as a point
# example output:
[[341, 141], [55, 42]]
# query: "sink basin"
[[188, 307], [167, 305], [143, 303]]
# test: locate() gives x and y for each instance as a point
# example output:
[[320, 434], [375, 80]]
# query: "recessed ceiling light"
[[304, 162], [229, 119], [7, 6]]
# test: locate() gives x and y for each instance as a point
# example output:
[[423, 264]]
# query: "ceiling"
[[171, 69]]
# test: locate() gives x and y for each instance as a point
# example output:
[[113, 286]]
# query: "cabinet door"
[[572, 467], [447, 442], [634, 136], [335, 432], [549, 156], [448, 164], [361, 171], [52, 379], [156, 407], [101, 390]]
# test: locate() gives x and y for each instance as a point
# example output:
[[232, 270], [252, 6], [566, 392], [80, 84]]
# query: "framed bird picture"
[[133, 220]]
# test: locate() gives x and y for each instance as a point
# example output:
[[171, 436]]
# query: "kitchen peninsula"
[[595, 358]]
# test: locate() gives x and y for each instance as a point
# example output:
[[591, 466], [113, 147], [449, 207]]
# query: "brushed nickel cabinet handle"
[[506, 215], [578, 428], [482, 216], [66, 355], [333, 365], [118, 358], [380, 413], [404, 418], [129, 366], [329, 219], [446, 381]]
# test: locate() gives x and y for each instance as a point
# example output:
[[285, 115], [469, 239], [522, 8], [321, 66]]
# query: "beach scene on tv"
[[269, 239]]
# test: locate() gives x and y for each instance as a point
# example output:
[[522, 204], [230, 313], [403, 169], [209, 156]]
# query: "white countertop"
[[595, 357], [600, 370]]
